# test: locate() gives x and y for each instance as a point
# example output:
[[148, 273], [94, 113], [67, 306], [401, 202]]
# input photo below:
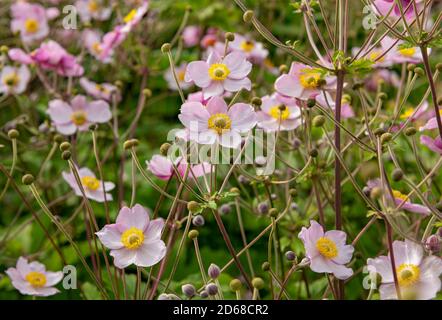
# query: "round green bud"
[[147, 92], [379, 131], [66, 155], [273, 212], [265, 266], [58, 138], [411, 67], [293, 192], [193, 234], [4, 49], [318, 121], [189, 8], [27, 179], [258, 283], [256, 101], [311, 103], [193, 206], [165, 148], [234, 190], [410, 131], [386, 137], [165, 48], [13, 134], [65, 146], [235, 285], [397, 174], [313, 153], [230, 36], [248, 16], [382, 96], [129, 144], [118, 83], [419, 71], [439, 67], [283, 68], [375, 193]]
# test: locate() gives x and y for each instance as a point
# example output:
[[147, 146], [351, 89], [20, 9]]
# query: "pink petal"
[[110, 236], [216, 105], [98, 111], [136, 217], [214, 89], [150, 253], [233, 85], [243, 117], [198, 72], [123, 257], [288, 86]]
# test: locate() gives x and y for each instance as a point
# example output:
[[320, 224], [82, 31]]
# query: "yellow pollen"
[[399, 195], [90, 183], [219, 122], [181, 75], [309, 78], [36, 279], [408, 274], [218, 71], [408, 52], [375, 55], [96, 47], [327, 247], [101, 88], [268, 63], [11, 80], [247, 46], [31, 25], [132, 238], [93, 6], [407, 114], [130, 16], [279, 112], [78, 117]]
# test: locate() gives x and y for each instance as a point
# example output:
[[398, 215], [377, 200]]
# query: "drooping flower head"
[[33, 279], [327, 251], [134, 238], [79, 115], [105, 91], [93, 187], [219, 74], [163, 168], [14, 80], [418, 276], [216, 123], [254, 51], [30, 20], [276, 115]]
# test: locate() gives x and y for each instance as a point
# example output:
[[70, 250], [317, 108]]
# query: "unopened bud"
[[129, 144], [66, 155], [165, 48], [193, 206], [256, 102], [13, 134], [65, 146], [283, 68], [397, 174], [225, 209], [433, 244], [147, 92], [212, 289], [248, 16], [318, 121], [419, 71], [27, 179], [265, 266], [290, 255], [311, 103], [386, 137], [213, 271], [263, 207], [313, 152], [258, 283], [235, 285], [273, 212], [193, 234], [58, 138], [188, 290], [230, 36], [410, 131], [198, 221], [164, 149]]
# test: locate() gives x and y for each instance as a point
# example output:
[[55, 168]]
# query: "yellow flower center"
[[96, 47], [132, 238], [218, 71], [219, 122], [90, 182], [11, 80], [181, 75], [327, 247], [407, 114], [78, 117], [93, 6], [408, 274], [399, 195], [36, 279], [279, 112], [375, 55], [101, 88], [309, 78], [247, 46], [408, 52], [130, 16], [31, 25]]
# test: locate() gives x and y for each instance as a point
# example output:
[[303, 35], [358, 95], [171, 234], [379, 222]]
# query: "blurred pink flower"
[[431, 123], [92, 42], [302, 82], [218, 74], [254, 51], [275, 115], [103, 91], [78, 115], [162, 167], [397, 54], [33, 279], [216, 123], [197, 97], [326, 101], [50, 56], [418, 276], [134, 239], [191, 35], [180, 73], [93, 9], [93, 188], [433, 144], [327, 251], [374, 79], [383, 7], [14, 80], [30, 20]]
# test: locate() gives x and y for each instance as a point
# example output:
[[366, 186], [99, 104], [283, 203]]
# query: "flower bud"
[[235, 284], [258, 283], [129, 144], [230, 36], [256, 102], [382, 96], [193, 234], [193, 206], [248, 16], [65, 146], [439, 67], [296, 143], [242, 179], [397, 174], [147, 92], [410, 131], [213, 271], [234, 190], [66, 155], [225, 209], [419, 71], [273, 212], [164, 296], [318, 121], [375, 193], [198, 221], [58, 138], [265, 266], [4, 49], [263, 207], [165, 48], [411, 67], [311, 103], [204, 294], [188, 290], [283, 68], [293, 192], [366, 190], [313, 153], [164, 149], [433, 244], [212, 289], [27, 179], [386, 137], [290, 255], [379, 131]]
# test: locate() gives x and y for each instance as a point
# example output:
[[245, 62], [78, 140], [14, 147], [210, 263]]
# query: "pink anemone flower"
[[433, 144], [79, 115], [105, 91], [162, 167], [327, 251], [30, 20], [302, 82], [93, 188], [326, 101], [93, 9], [431, 123], [191, 36], [418, 276], [180, 73], [33, 279], [218, 74], [216, 123], [383, 7], [14, 80], [275, 115], [134, 238], [254, 51], [397, 54], [50, 56], [92, 42]]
